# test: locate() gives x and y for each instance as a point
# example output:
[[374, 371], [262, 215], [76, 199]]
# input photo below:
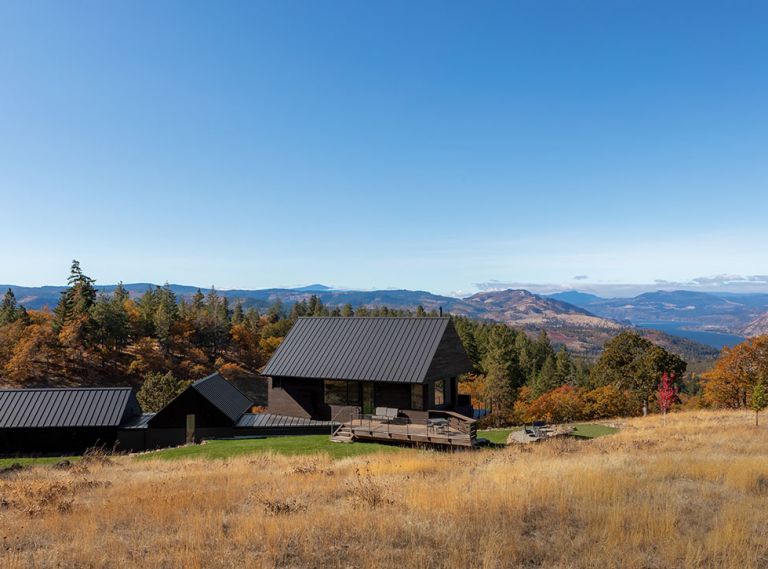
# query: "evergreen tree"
[[275, 311], [10, 311], [237, 314], [147, 305], [546, 379], [500, 355], [198, 302], [564, 368], [120, 293], [347, 310], [110, 329], [165, 315], [466, 331], [77, 300]]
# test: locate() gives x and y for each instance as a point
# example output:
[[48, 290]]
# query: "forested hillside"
[[97, 338]]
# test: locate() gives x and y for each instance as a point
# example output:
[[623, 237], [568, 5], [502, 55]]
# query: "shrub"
[[560, 405], [610, 401]]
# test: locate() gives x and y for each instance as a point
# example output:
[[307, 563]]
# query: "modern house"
[[64, 420], [331, 368], [393, 379]]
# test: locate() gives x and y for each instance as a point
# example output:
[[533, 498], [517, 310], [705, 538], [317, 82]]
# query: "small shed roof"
[[254, 420], [392, 349], [67, 407], [137, 422], [223, 395]]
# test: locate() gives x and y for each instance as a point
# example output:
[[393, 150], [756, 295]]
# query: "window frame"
[[351, 392]]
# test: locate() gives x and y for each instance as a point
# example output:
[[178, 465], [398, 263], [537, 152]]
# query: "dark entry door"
[[368, 402]]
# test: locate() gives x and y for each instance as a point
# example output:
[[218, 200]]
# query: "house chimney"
[[441, 311]]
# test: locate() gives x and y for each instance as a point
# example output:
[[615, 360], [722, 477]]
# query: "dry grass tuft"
[[693, 493]]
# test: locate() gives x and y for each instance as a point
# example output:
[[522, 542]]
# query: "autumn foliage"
[[91, 337], [730, 383], [567, 403]]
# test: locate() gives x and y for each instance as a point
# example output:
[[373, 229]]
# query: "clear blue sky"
[[432, 145]]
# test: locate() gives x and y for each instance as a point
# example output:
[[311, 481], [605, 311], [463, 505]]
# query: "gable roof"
[[67, 407], [223, 395], [392, 349]]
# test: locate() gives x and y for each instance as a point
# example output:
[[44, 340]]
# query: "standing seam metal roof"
[[66, 407], [393, 349], [223, 395], [255, 420]]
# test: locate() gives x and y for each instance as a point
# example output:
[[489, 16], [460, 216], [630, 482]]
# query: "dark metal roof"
[[67, 407], [223, 395], [392, 349], [269, 420]]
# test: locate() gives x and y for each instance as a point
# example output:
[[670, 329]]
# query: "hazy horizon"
[[724, 284]]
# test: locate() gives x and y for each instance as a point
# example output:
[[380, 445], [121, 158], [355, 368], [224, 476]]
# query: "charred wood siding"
[[190, 402], [450, 358], [298, 397]]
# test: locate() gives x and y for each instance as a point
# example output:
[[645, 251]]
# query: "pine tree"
[[347, 310], [564, 368], [465, 328], [9, 309], [275, 311], [546, 380], [198, 302], [237, 314], [165, 315], [77, 300], [147, 305], [120, 293]]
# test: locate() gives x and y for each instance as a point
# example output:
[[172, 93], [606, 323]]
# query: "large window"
[[341, 392], [440, 392], [417, 396]]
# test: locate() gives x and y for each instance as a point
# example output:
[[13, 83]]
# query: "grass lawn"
[[496, 436], [290, 445], [294, 445], [583, 431]]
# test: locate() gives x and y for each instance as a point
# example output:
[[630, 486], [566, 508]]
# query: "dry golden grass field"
[[693, 493]]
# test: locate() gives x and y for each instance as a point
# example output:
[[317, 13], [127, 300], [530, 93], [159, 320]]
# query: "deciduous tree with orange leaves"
[[735, 373]]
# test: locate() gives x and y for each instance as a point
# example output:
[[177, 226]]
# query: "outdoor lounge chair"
[[385, 414]]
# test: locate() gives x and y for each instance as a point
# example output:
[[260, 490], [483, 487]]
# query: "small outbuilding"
[[66, 420]]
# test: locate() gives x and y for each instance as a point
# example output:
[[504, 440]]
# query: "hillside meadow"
[[691, 493]]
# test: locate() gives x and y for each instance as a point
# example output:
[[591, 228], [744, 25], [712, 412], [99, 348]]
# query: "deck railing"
[[458, 425], [336, 428]]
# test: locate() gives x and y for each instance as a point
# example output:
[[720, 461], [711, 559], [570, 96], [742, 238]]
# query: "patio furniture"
[[385, 414], [438, 425]]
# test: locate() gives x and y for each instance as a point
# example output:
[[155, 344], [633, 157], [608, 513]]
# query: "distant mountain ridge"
[[733, 313], [583, 330]]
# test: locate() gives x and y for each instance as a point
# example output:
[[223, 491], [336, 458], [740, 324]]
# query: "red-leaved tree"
[[666, 393]]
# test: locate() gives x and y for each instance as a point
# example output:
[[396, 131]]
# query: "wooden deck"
[[457, 433]]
